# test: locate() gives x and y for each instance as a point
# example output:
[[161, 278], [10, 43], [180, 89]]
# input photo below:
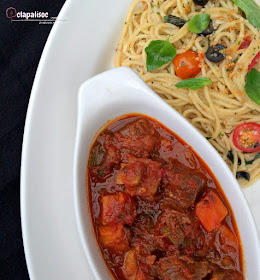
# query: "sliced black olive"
[[231, 157], [209, 30], [175, 20], [243, 174], [201, 2], [213, 53]]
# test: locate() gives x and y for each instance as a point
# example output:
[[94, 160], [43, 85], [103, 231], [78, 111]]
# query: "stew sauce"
[[157, 209]]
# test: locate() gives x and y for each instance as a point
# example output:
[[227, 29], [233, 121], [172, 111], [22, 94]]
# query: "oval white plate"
[[78, 48]]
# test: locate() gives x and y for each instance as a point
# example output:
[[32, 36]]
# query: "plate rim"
[[26, 138]]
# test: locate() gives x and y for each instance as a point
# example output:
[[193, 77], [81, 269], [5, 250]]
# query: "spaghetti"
[[215, 110]]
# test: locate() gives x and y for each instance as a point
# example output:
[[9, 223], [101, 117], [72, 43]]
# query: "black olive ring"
[[213, 53]]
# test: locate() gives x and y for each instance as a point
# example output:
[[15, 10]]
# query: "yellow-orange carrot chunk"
[[114, 237], [130, 265], [211, 211]]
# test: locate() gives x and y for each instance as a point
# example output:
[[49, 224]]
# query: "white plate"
[[77, 49]]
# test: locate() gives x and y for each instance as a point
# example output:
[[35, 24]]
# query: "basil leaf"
[[252, 86], [194, 83], [158, 53], [252, 11], [251, 161], [199, 23]]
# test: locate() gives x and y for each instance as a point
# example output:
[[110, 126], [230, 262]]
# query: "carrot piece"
[[117, 209], [211, 211], [140, 275], [114, 237], [109, 203], [130, 265]]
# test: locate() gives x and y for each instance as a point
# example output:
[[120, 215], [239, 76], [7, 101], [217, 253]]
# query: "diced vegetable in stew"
[[211, 211], [117, 209], [114, 237]]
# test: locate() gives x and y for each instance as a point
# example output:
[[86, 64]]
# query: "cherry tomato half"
[[246, 137], [245, 44], [254, 61], [186, 64]]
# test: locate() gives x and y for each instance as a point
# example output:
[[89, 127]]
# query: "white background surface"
[[77, 49]]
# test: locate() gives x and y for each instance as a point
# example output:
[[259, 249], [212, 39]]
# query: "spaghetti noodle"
[[215, 110]]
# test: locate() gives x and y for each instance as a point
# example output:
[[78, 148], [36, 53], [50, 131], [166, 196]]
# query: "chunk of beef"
[[227, 275], [171, 268], [177, 231], [143, 225], [145, 272], [114, 237], [141, 176], [112, 157], [138, 137], [118, 209], [205, 244], [174, 268], [183, 186], [172, 150], [104, 156], [227, 246], [200, 269], [113, 260], [144, 244], [143, 231]]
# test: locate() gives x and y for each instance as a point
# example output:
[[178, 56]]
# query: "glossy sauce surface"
[[157, 209]]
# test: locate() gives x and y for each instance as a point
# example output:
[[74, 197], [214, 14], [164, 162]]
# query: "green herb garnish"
[[194, 83], [252, 11], [199, 23], [252, 86], [159, 53]]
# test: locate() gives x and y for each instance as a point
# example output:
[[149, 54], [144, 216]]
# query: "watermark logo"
[[38, 16], [10, 13]]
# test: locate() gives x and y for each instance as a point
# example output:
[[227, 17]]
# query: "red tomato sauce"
[[157, 209]]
